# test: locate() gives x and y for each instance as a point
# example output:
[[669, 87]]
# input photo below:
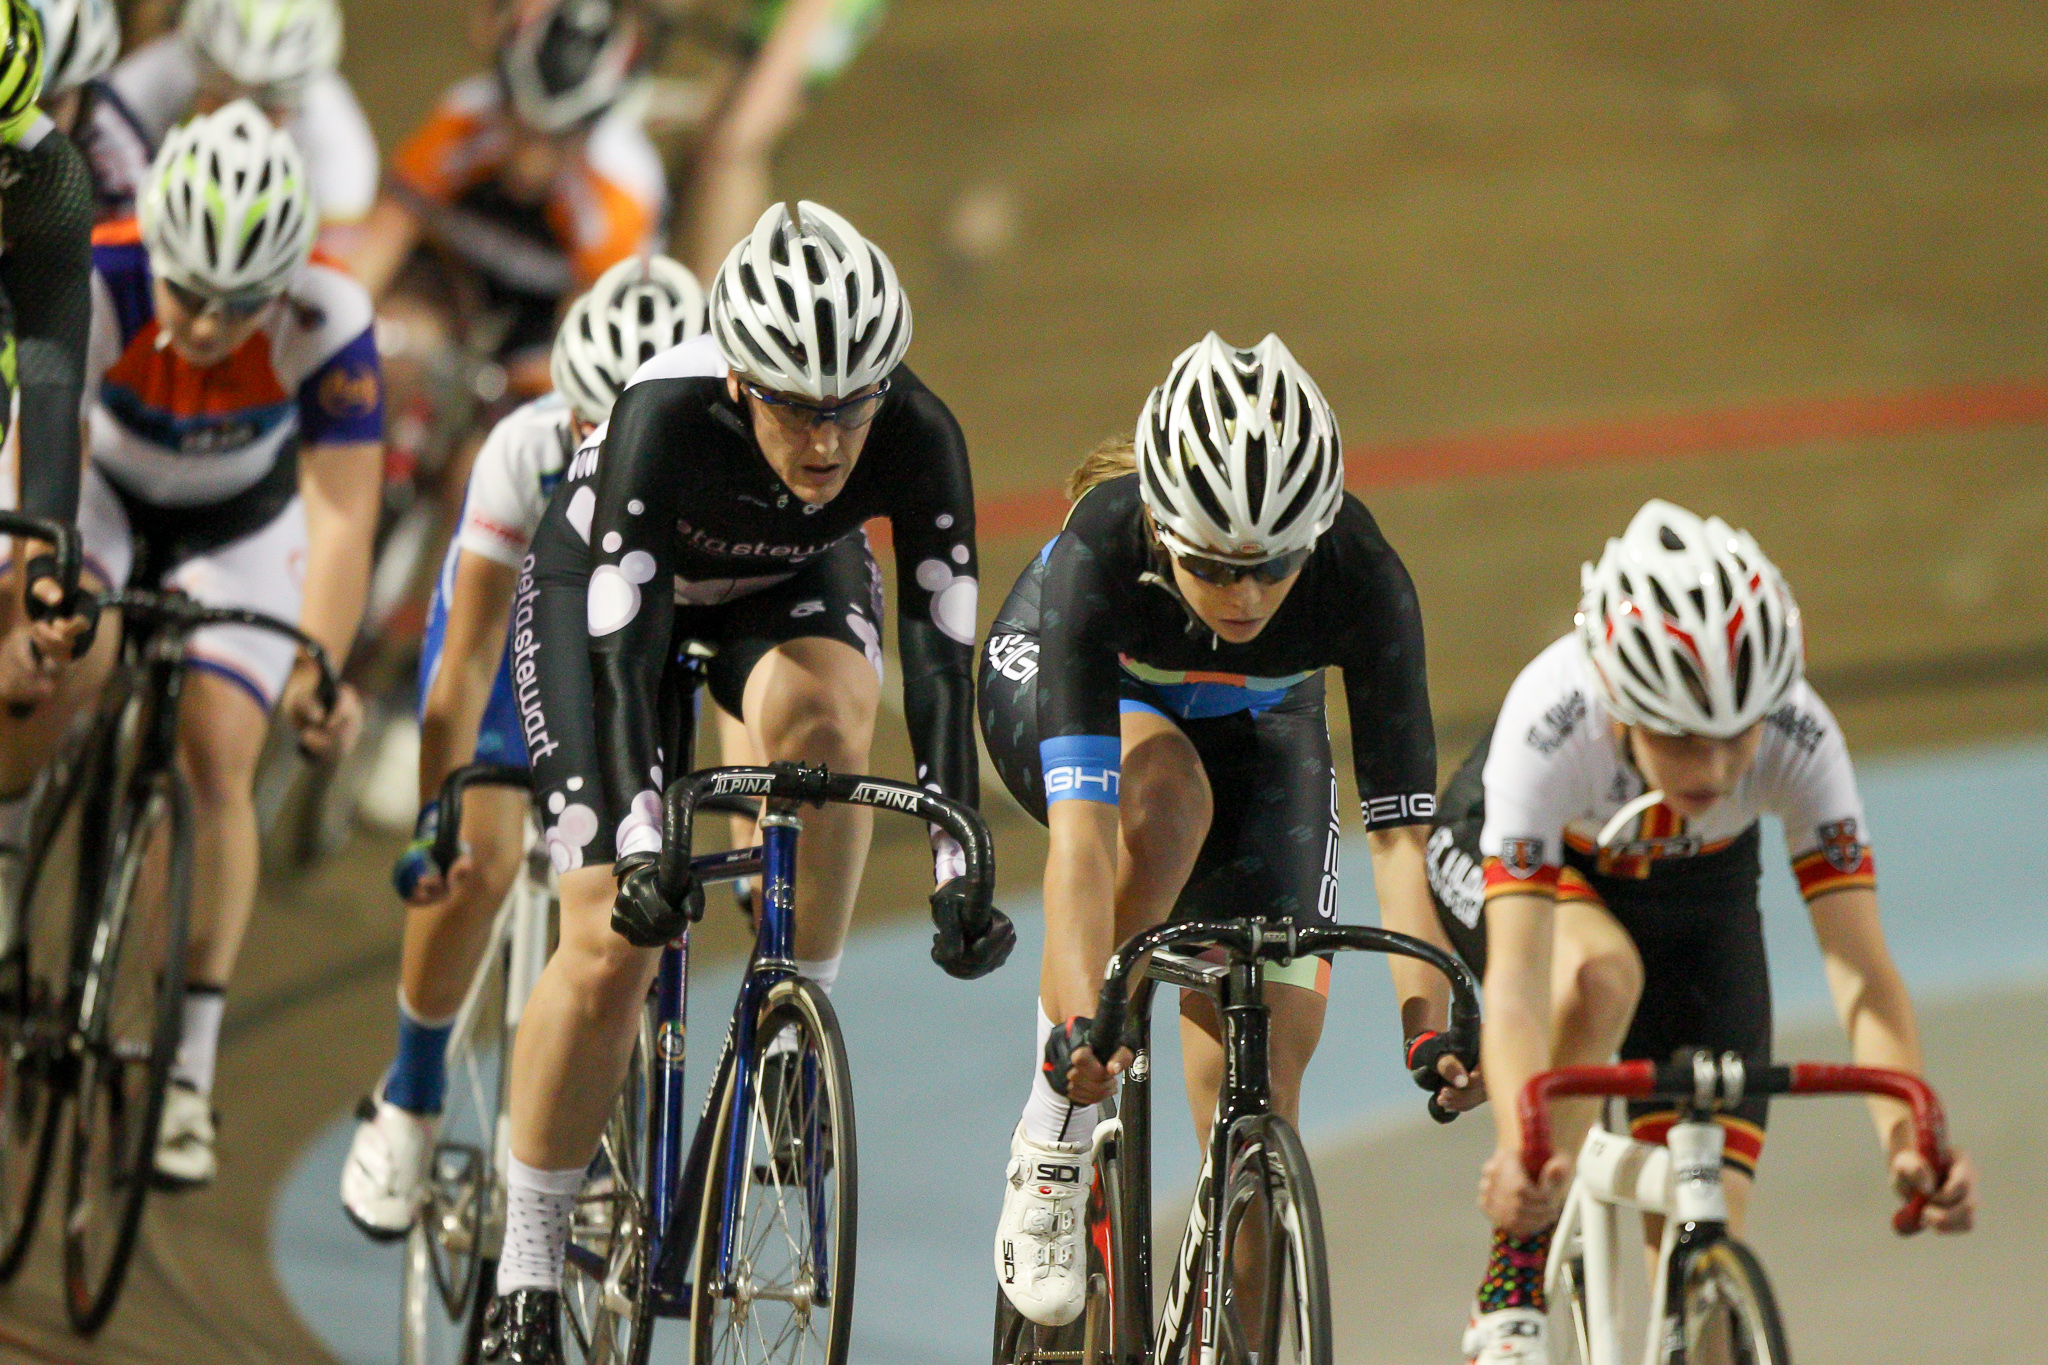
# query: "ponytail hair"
[[1112, 459]]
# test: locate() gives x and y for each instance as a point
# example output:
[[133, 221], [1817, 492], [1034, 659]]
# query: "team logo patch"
[[1521, 855], [344, 392], [1839, 843]]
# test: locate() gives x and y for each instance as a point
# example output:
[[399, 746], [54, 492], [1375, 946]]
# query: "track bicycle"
[[90, 1004], [1250, 1283], [749, 1230], [1710, 1301]]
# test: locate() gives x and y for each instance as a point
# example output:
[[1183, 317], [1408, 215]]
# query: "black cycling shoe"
[[524, 1327], [782, 1105]]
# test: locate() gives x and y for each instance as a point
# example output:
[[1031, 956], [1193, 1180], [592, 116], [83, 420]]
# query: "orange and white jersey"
[[605, 204], [1558, 771], [151, 91]]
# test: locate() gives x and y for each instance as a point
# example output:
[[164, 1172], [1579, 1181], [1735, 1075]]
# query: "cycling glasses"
[[848, 415], [232, 308], [1223, 573]]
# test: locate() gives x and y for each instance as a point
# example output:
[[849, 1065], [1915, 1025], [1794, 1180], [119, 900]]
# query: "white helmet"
[[271, 45], [568, 62], [81, 39], [227, 209], [806, 305], [1239, 454], [639, 308], [1690, 629]]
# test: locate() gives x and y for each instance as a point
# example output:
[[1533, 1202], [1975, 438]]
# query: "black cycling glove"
[[1424, 1051], [968, 940], [640, 913]]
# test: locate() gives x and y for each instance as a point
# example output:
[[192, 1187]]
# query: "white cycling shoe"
[[184, 1139], [1040, 1260], [1507, 1336], [382, 1180]]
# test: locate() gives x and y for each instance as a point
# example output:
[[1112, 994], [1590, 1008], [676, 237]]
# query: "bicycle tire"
[[811, 1137], [452, 1240], [34, 990], [1270, 1199], [607, 1306], [134, 987], [1726, 1290]]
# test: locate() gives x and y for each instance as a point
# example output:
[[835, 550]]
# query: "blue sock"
[[419, 1073]]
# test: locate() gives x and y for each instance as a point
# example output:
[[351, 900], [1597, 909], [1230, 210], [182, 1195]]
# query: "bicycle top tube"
[[1705, 1083], [183, 615], [1248, 940], [795, 784]]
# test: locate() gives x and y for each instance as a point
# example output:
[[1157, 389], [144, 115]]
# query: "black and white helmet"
[[639, 308], [568, 62], [1690, 629], [275, 46], [1238, 453], [806, 305], [81, 39]]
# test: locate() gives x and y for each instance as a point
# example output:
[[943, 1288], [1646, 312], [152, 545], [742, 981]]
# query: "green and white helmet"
[[21, 68], [227, 209], [269, 45], [81, 39]]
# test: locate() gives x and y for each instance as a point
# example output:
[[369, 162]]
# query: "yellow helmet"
[[21, 68]]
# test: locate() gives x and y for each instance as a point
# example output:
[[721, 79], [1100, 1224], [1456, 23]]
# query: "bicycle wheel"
[[1276, 1283], [1570, 1325], [1730, 1316], [789, 1294], [34, 972], [454, 1241], [130, 1015], [607, 1309]]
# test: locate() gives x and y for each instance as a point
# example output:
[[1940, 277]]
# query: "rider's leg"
[[813, 700], [444, 939], [1296, 1026], [221, 728], [736, 750]]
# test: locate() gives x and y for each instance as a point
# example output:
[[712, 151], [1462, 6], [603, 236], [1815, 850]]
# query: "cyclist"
[[530, 181], [1597, 859], [784, 52], [1153, 691], [469, 709], [282, 54], [45, 313], [730, 511], [235, 431]]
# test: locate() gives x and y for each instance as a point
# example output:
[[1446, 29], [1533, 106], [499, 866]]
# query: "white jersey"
[[519, 464], [1558, 771], [153, 89]]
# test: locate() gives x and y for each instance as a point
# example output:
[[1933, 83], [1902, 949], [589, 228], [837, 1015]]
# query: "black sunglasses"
[[1223, 573], [231, 309], [849, 415]]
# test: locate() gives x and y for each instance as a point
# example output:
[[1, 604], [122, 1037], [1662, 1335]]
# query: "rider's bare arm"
[[341, 483], [377, 246], [478, 609]]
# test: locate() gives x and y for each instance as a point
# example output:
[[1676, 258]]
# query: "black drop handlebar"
[[184, 615], [715, 788], [448, 840], [62, 539], [1271, 941]]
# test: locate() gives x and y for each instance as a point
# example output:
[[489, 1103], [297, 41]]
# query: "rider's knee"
[[1163, 814], [825, 727], [1608, 983]]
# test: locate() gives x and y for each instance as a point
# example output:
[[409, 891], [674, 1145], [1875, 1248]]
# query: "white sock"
[[538, 1208], [1048, 1115], [13, 821], [199, 1043], [823, 971]]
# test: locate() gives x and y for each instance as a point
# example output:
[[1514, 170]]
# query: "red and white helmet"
[[1690, 629]]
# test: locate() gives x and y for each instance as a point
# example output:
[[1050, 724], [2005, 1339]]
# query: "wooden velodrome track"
[[1783, 261]]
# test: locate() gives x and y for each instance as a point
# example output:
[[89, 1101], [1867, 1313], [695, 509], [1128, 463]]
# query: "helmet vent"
[[1310, 491], [828, 340], [1664, 602], [1727, 588], [1255, 475], [1198, 484], [1745, 661], [1693, 684], [1669, 538]]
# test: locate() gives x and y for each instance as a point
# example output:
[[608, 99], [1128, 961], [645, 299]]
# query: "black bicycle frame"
[[1123, 1018]]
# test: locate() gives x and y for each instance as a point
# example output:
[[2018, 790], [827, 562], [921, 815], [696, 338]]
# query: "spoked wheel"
[[607, 1306], [1276, 1284], [34, 1021], [132, 994], [1571, 1325], [1730, 1315], [787, 1293], [453, 1245]]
